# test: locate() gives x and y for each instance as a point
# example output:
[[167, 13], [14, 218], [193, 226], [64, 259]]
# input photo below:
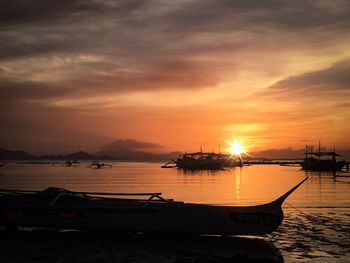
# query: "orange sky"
[[180, 74]]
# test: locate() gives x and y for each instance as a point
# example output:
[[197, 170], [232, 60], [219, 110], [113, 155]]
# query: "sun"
[[236, 148]]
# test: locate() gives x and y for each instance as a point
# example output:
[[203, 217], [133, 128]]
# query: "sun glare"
[[236, 148]]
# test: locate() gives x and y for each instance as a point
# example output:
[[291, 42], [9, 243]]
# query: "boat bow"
[[281, 199]]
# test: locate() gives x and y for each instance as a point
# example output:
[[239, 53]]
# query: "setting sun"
[[236, 148]]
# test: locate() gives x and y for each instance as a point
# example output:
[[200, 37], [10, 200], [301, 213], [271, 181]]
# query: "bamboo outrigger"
[[63, 209]]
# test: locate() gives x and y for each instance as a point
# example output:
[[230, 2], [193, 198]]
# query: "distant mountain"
[[133, 150], [285, 153], [104, 154], [15, 155], [130, 145], [139, 155], [72, 156], [344, 154], [6, 154]]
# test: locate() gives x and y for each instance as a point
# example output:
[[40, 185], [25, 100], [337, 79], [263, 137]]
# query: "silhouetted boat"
[[70, 163], [200, 160], [204, 161], [99, 165], [63, 209], [313, 160]]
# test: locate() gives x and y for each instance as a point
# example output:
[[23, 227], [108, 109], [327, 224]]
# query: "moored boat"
[[63, 209], [200, 160], [205, 161], [315, 161]]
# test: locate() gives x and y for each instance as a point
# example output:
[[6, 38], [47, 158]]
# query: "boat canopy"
[[322, 153]]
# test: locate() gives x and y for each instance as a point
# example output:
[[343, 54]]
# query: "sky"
[[78, 74]]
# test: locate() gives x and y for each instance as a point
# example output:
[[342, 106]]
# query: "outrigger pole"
[[73, 192]]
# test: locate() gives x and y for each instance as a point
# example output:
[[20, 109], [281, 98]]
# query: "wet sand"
[[315, 235]]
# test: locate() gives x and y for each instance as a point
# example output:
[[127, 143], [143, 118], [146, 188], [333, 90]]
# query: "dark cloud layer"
[[20, 47], [22, 11], [291, 15], [129, 145], [27, 90]]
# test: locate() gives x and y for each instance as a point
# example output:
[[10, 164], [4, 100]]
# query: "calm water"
[[237, 186], [318, 230]]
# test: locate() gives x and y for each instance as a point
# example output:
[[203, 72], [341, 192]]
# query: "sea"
[[317, 215]]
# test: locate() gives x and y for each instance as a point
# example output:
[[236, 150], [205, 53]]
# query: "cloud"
[[290, 153], [225, 14], [333, 78], [22, 91], [40, 27], [80, 85], [67, 61], [14, 12], [21, 46], [129, 145], [152, 28]]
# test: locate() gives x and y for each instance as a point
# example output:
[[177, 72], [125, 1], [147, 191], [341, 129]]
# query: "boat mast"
[[306, 149], [319, 150]]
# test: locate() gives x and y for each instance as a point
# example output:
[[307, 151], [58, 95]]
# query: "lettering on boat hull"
[[256, 219]]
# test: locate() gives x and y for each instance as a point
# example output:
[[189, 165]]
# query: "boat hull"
[[193, 164], [72, 210], [313, 164], [185, 218]]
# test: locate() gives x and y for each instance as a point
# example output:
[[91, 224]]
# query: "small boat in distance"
[[314, 161], [99, 165], [70, 163], [204, 161], [63, 209]]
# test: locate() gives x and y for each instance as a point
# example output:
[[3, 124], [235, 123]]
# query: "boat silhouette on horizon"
[[314, 160], [205, 161]]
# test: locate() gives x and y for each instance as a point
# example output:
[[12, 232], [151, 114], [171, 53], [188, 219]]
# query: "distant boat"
[[204, 161], [314, 161], [99, 165], [71, 162], [62, 209]]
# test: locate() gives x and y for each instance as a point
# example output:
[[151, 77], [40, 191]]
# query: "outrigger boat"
[[200, 160], [313, 160], [62, 209], [99, 165], [204, 161], [70, 163]]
